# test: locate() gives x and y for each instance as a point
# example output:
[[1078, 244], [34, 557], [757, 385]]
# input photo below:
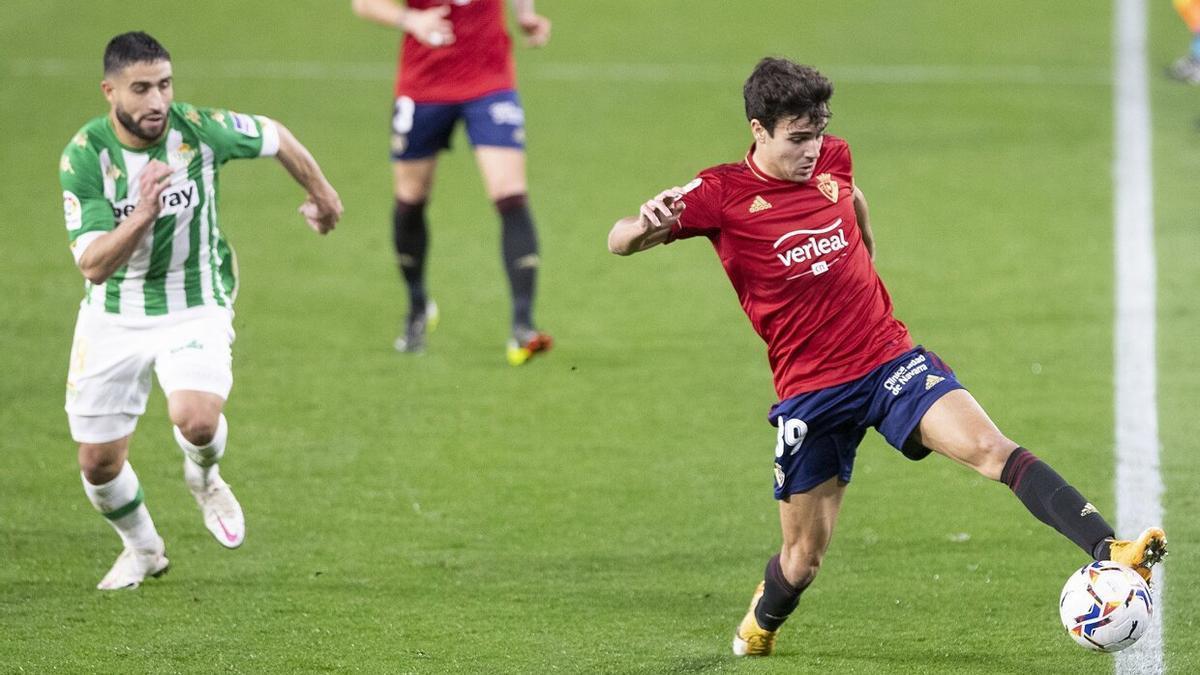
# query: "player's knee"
[[800, 565], [98, 465], [198, 431], [413, 191], [989, 454], [409, 213]]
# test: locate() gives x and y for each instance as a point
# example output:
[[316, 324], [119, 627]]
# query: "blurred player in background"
[[791, 230], [456, 63], [140, 200], [1187, 68]]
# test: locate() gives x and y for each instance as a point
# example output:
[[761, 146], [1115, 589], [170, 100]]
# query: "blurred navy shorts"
[[818, 432], [420, 130]]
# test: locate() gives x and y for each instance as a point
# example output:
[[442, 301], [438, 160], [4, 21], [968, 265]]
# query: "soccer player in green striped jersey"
[[140, 201]]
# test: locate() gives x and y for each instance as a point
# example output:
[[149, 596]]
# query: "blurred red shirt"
[[479, 62], [802, 273]]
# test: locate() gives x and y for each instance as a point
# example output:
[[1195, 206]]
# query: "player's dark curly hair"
[[779, 89], [129, 48]]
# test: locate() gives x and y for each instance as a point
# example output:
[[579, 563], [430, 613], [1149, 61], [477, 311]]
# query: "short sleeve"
[[702, 215], [87, 212], [839, 157], [234, 135]]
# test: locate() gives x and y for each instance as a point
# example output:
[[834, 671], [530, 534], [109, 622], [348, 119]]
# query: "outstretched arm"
[[428, 26], [323, 208], [650, 227], [864, 221]]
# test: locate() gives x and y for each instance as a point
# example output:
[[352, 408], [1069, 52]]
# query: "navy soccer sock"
[[1051, 500], [779, 598], [411, 239], [519, 247]]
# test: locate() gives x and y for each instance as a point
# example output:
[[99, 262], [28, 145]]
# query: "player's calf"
[[121, 502], [1054, 502]]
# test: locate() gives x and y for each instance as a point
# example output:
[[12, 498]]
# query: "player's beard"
[[136, 129]]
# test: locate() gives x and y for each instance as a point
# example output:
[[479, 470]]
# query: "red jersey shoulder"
[[705, 197], [835, 156], [715, 182], [834, 174]]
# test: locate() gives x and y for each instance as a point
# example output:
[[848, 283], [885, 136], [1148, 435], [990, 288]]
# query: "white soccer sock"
[[120, 501], [201, 468]]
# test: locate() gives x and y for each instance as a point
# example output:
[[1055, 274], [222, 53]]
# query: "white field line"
[[687, 73], [1139, 486]]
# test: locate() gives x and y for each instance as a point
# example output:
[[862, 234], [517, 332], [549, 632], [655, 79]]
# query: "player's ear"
[[759, 131]]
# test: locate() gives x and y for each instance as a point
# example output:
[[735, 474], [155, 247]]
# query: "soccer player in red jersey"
[[792, 232], [456, 63]]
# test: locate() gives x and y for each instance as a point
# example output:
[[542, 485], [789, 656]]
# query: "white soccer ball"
[[1106, 606]]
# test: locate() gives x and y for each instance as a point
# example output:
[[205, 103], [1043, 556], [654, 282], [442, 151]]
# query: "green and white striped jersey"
[[183, 260]]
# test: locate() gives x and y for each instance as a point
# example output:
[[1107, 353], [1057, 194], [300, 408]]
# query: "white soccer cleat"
[[132, 568], [222, 512]]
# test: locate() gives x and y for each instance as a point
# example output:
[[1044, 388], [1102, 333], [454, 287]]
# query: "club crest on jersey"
[[183, 154], [759, 204], [828, 187]]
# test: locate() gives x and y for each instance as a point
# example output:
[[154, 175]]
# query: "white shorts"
[[108, 382]]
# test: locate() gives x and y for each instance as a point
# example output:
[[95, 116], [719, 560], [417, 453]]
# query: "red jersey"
[[479, 62], [802, 273]]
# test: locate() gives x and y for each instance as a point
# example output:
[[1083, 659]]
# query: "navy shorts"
[[818, 432], [420, 130]]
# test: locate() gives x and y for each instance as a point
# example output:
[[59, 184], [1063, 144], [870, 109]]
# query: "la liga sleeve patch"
[[244, 124]]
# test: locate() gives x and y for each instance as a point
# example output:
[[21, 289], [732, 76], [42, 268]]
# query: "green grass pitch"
[[607, 508]]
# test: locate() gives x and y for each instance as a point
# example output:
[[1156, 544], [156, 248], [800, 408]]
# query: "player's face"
[[140, 95], [790, 152]]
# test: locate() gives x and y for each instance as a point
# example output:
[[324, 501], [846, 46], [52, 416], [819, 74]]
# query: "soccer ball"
[[1106, 606]]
